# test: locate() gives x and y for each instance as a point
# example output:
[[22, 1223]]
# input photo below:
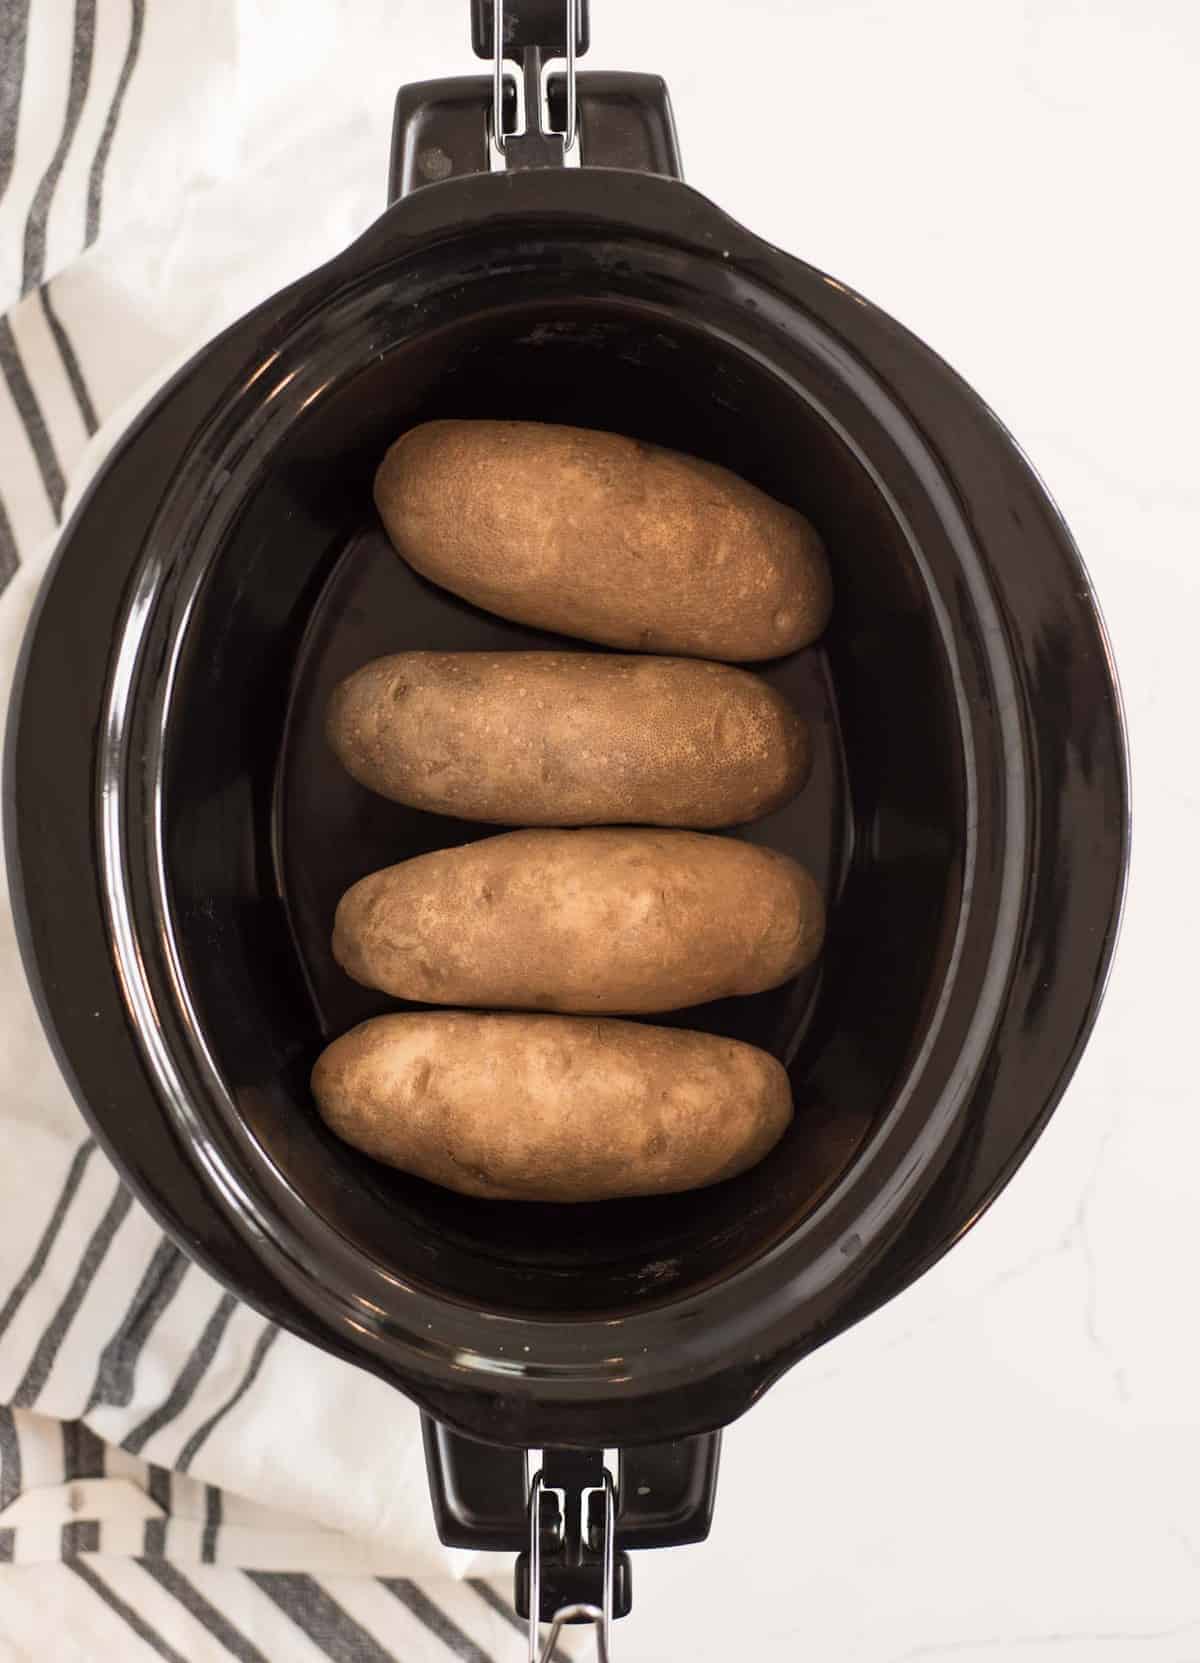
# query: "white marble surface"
[[1005, 1463]]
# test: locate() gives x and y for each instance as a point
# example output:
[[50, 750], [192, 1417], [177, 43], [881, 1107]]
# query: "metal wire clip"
[[531, 64], [601, 1615]]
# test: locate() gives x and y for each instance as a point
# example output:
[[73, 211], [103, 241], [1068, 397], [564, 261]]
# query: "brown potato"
[[551, 1108], [604, 537], [611, 920], [569, 739]]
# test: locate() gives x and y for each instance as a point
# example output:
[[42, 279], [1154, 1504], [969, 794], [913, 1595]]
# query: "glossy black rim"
[[927, 1170]]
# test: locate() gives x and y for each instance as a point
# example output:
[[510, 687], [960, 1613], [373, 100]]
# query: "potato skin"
[[551, 1108], [599, 921], [569, 739], [604, 537]]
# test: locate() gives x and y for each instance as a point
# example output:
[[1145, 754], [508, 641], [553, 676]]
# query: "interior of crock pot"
[[263, 831]]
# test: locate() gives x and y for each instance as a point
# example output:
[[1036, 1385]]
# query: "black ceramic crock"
[[178, 833]]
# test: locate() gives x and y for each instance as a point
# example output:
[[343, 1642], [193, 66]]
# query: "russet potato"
[[608, 920], [603, 537], [569, 739], [551, 1108]]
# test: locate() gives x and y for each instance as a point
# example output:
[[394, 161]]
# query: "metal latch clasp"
[[605, 1525], [532, 33]]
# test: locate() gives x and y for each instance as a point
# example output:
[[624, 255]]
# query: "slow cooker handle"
[[450, 128], [485, 1499]]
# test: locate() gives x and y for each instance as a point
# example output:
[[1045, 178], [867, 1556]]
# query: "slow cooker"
[[179, 832]]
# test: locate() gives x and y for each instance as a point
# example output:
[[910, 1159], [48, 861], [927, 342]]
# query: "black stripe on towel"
[[80, 1536], [119, 1359], [159, 1486], [100, 161], [36, 1375], [49, 1235], [500, 1606], [169, 1576], [32, 419], [83, 1451], [154, 1537], [212, 1523], [10, 1458], [9, 559], [115, 1603], [320, 1616], [14, 30], [435, 1619], [70, 362], [190, 1376], [34, 264], [202, 1433]]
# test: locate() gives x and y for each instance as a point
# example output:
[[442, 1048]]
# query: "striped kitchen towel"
[[178, 1478]]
